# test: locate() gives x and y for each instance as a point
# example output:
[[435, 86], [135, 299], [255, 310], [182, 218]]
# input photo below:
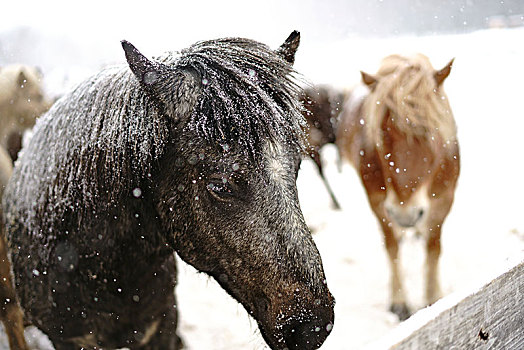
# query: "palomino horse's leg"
[[433, 292], [440, 208], [315, 155], [398, 297], [373, 180]]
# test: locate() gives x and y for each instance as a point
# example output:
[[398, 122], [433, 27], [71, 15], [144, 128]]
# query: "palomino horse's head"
[[22, 100], [21, 94], [410, 123]]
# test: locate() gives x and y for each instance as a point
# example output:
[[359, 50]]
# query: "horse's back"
[[68, 129]]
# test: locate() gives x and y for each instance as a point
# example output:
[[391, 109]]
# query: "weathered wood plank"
[[491, 318]]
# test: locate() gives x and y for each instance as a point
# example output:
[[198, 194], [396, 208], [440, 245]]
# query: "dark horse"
[[195, 153], [322, 106]]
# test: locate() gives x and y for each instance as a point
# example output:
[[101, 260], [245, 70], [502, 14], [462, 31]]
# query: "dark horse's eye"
[[296, 164], [221, 189]]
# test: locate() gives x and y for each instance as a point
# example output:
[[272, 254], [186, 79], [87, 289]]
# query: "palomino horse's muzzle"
[[408, 218], [408, 212]]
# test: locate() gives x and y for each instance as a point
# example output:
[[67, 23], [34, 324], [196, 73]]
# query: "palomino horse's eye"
[[221, 189]]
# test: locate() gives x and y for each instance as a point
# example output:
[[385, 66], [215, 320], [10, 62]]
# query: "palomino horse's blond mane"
[[408, 89]]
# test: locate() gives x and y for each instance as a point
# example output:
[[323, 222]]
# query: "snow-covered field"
[[483, 234]]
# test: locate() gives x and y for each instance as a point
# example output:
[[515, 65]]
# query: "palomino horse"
[[322, 107], [22, 100], [195, 152], [400, 135]]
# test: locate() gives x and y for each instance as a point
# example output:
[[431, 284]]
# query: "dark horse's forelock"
[[248, 94]]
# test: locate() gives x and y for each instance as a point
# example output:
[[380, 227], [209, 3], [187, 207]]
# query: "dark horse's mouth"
[[306, 335], [302, 336], [300, 332]]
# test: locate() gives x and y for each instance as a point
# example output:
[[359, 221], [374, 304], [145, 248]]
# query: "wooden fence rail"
[[491, 318]]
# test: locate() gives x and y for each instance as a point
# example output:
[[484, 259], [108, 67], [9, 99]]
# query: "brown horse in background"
[[322, 108], [401, 137]]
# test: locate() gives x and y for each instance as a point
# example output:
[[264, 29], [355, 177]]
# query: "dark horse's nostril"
[[420, 213], [306, 335]]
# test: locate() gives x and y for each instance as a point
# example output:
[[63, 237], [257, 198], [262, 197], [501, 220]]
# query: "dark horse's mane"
[[104, 138]]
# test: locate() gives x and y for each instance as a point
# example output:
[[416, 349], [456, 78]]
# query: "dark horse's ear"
[[442, 74], [288, 49], [146, 71], [368, 79], [177, 90]]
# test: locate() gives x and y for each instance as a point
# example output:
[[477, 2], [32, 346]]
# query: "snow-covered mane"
[[248, 94], [111, 132]]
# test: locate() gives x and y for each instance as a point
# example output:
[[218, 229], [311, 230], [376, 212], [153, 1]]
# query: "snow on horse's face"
[[238, 217], [195, 152], [241, 223]]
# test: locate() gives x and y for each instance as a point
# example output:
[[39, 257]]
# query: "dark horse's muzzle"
[[309, 333], [307, 327]]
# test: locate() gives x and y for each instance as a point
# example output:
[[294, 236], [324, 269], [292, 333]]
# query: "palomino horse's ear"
[[288, 49], [146, 71], [442, 74], [368, 79]]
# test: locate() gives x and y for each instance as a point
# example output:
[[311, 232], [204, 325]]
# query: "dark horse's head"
[[226, 191]]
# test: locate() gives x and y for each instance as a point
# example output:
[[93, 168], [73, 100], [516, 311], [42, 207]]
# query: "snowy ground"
[[482, 235]]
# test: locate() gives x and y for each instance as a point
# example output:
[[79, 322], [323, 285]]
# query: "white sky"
[[178, 23]]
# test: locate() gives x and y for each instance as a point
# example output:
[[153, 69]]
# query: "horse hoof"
[[401, 310]]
